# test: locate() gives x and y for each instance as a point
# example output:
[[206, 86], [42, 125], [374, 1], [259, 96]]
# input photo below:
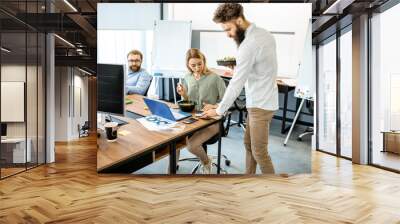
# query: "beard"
[[239, 35], [134, 68]]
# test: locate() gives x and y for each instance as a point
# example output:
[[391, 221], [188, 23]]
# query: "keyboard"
[[118, 121], [178, 115]]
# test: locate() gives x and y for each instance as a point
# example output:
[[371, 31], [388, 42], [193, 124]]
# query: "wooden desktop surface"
[[227, 74], [138, 139]]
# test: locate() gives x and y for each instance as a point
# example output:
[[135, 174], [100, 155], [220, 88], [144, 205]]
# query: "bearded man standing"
[[256, 71]]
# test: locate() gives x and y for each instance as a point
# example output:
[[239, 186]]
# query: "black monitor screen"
[[3, 129], [110, 88]]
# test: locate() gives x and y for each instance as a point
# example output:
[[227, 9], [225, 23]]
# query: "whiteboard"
[[12, 101], [305, 87], [285, 54], [172, 39]]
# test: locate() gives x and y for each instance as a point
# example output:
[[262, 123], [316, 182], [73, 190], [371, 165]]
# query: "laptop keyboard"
[[118, 121], [177, 115]]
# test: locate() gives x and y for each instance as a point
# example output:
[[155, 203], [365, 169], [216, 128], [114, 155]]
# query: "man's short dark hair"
[[227, 12], [135, 52]]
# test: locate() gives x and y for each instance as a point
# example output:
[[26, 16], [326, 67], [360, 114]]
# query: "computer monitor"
[[3, 130], [111, 89]]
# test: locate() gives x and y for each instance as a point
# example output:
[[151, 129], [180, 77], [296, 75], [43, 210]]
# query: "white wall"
[[127, 16], [118, 22], [122, 27], [114, 45], [268, 16], [67, 115]]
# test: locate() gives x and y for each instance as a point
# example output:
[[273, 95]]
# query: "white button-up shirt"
[[256, 70]]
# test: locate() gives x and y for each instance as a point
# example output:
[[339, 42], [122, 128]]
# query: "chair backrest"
[[215, 138], [86, 125], [148, 87], [310, 106]]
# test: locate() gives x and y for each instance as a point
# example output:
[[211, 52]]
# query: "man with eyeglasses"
[[138, 80]]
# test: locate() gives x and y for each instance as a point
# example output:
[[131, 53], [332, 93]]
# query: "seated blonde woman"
[[206, 89]]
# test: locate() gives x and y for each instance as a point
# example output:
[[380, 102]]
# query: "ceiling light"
[[65, 41], [70, 5], [338, 6], [5, 50], [86, 72]]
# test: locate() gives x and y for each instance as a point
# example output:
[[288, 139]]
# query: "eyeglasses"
[[156, 120], [134, 61]]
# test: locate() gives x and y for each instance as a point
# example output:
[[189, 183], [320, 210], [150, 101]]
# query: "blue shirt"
[[138, 82]]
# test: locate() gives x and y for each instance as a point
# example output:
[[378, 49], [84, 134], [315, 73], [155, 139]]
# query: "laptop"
[[162, 110]]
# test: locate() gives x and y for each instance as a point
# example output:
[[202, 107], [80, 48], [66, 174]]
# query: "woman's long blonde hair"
[[196, 53]]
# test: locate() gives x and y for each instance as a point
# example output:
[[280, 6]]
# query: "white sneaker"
[[206, 168]]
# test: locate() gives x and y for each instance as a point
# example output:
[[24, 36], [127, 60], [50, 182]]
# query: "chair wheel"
[[299, 139], [227, 162]]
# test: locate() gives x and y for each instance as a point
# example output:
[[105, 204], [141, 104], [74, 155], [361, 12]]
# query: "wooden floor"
[[70, 191], [10, 171]]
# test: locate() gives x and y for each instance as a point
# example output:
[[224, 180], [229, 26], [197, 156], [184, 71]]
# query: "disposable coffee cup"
[[111, 131]]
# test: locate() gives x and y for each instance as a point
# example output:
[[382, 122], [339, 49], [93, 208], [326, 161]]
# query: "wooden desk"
[[16, 154], [391, 141], [283, 87], [141, 147]]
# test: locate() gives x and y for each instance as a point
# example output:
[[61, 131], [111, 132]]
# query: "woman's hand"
[[209, 106], [181, 90]]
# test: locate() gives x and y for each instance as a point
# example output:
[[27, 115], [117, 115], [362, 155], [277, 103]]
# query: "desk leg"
[[172, 158], [219, 146], [294, 122], [284, 110]]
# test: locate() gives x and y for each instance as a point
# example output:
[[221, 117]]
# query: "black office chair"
[[147, 90], [211, 141], [240, 106], [84, 130]]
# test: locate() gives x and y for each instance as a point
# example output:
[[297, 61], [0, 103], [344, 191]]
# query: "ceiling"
[[76, 23]]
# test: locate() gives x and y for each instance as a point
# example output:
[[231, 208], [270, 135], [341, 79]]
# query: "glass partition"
[[327, 96]]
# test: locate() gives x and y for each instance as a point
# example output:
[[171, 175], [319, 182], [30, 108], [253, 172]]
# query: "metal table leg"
[[172, 158], [219, 145]]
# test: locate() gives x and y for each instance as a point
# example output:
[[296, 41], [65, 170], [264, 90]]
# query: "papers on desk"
[[153, 126]]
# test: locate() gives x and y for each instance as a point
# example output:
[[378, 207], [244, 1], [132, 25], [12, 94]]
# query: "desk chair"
[[211, 141], [147, 90], [84, 130], [240, 106]]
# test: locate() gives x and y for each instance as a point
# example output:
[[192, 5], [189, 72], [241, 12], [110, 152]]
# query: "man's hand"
[[209, 106], [209, 114]]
